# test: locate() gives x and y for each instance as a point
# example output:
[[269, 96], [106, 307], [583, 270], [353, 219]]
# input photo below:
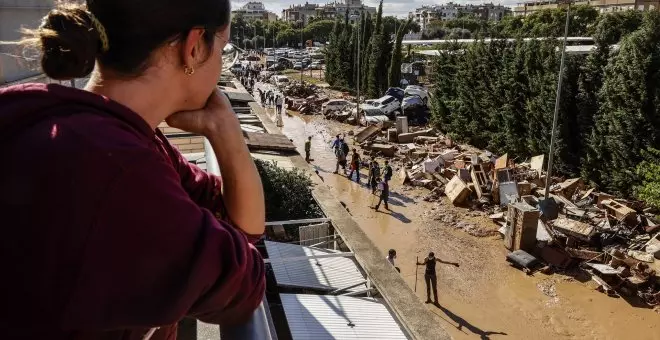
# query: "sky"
[[399, 8]]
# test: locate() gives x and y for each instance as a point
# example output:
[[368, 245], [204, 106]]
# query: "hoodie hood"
[[22, 106]]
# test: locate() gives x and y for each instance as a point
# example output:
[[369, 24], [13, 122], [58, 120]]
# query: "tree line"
[[259, 34], [500, 96], [376, 43]]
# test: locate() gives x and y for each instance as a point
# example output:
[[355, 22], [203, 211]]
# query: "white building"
[[255, 11], [449, 11], [330, 11]]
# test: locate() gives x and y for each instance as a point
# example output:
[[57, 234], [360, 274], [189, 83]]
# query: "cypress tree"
[[629, 118], [394, 74]]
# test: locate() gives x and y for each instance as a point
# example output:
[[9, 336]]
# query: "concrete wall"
[[15, 14]]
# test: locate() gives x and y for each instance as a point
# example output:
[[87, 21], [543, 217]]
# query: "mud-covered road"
[[484, 298]]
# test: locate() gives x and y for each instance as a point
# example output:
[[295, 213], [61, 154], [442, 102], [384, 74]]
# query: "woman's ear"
[[192, 47]]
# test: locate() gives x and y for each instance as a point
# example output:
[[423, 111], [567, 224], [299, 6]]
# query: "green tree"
[[649, 173], [289, 37], [628, 117], [394, 74], [319, 30], [377, 80], [287, 193]]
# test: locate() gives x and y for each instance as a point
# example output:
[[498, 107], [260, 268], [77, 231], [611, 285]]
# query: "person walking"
[[374, 174], [387, 172], [355, 166], [278, 104], [384, 189], [391, 255], [336, 143], [341, 157], [430, 276], [308, 148]]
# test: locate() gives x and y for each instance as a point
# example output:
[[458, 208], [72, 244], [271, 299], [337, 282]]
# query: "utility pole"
[[302, 45], [357, 115], [551, 157]]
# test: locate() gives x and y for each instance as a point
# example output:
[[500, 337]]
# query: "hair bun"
[[69, 43]]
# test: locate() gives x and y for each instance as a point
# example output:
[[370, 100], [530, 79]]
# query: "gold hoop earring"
[[189, 71]]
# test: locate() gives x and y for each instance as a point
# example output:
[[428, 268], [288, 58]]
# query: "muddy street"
[[484, 298]]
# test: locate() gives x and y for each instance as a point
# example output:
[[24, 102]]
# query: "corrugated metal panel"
[[324, 274], [321, 317], [313, 234]]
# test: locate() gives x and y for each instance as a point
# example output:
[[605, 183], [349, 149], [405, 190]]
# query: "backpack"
[[376, 171], [344, 148], [388, 172]]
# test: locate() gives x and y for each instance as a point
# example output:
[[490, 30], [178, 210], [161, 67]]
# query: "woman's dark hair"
[[71, 43]]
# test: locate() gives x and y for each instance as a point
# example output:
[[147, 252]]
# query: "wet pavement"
[[484, 298]]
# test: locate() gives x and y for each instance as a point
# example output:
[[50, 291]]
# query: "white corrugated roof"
[[322, 317], [325, 273]]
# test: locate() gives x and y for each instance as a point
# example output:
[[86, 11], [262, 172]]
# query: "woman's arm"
[[242, 190]]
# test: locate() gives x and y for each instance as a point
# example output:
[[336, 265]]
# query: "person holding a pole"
[[430, 277]]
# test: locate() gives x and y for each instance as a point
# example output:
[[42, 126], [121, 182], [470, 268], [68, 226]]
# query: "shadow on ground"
[[462, 323]]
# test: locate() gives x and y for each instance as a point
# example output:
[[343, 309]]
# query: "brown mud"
[[484, 298]]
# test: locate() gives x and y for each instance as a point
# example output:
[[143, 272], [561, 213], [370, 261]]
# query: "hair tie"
[[105, 44]]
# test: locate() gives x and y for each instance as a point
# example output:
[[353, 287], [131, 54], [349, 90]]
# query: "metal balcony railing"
[[257, 328]]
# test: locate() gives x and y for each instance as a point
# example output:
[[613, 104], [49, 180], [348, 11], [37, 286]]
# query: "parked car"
[[371, 115], [316, 66], [395, 92], [297, 66], [418, 91], [280, 80], [415, 109], [253, 58], [388, 105], [334, 105], [275, 67]]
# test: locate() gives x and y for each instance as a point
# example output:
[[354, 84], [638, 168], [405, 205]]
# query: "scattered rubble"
[[615, 241]]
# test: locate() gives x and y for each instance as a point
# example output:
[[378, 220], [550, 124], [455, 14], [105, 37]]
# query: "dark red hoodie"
[[106, 230]]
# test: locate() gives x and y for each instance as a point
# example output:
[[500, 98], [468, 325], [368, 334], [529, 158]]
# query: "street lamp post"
[[357, 114], [548, 179], [302, 45]]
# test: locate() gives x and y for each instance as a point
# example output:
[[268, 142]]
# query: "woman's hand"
[[216, 118]]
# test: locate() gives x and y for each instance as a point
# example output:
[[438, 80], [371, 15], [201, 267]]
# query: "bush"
[[649, 173], [287, 193]]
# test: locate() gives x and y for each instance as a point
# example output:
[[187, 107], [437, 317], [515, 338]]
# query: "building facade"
[[449, 11], [15, 64], [297, 13], [255, 11], [603, 6]]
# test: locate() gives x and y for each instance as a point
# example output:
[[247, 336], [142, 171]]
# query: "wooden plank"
[[501, 162], [367, 133], [264, 141], [537, 163], [475, 180], [574, 228]]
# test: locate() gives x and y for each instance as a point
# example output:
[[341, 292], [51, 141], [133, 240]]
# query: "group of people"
[[271, 99], [376, 181]]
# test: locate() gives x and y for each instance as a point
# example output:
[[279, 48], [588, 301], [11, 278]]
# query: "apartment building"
[[296, 13], [603, 6], [255, 11], [449, 11]]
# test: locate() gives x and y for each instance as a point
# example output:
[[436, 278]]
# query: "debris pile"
[[307, 106], [304, 98], [616, 241], [300, 90]]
